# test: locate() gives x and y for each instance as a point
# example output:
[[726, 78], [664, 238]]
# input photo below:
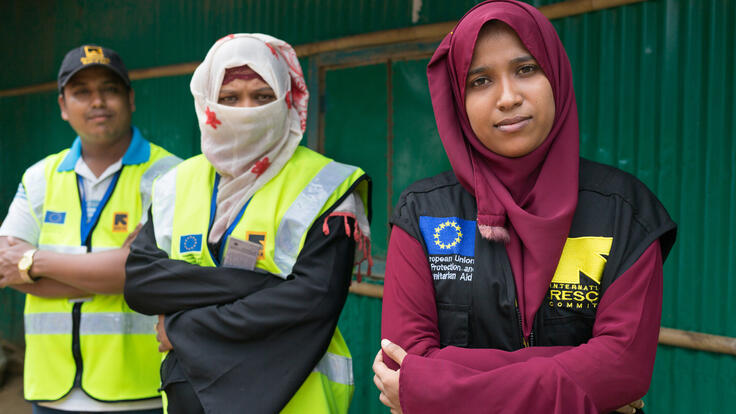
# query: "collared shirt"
[[24, 223]]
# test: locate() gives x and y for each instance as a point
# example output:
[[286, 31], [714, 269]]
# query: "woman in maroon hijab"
[[527, 279]]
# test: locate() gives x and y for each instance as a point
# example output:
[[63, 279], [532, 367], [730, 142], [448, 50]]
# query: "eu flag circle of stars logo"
[[54, 217], [447, 235], [190, 243]]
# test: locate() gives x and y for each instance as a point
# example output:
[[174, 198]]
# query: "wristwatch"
[[24, 265]]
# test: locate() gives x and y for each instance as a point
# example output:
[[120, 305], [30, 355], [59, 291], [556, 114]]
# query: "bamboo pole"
[[667, 336], [426, 33], [366, 289], [136, 74], [698, 341]]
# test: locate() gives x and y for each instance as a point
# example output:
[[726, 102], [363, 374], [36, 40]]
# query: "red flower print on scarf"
[[261, 166], [211, 118]]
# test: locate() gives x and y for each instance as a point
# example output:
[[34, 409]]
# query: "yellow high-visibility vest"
[[279, 216], [97, 343]]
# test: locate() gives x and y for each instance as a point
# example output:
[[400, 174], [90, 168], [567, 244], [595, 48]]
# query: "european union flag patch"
[[55, 217], [190, 243], [448, 235]]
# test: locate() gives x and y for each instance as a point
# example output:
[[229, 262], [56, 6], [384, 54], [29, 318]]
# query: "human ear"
[[62, 107]]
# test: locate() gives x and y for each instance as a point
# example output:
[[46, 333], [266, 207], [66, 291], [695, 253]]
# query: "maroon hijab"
[[529, 201]]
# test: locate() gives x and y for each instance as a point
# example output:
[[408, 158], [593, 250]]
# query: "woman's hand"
[[386, 379], [631, 408], [163, 340]]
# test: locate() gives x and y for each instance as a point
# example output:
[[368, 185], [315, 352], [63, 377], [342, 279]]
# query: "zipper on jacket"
[[524, 341], [76, 349], [521, 328]]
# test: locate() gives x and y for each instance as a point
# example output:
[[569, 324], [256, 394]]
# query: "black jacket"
[[474, 285], [244, 338]]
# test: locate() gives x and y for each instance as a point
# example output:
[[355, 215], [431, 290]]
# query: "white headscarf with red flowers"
[[248, 146]]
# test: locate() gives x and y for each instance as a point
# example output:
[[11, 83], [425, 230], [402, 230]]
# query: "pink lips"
[[513, 124], [97, 117]]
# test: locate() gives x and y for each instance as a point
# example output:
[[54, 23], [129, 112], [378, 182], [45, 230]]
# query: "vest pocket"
[[453, 321], [572, 330]]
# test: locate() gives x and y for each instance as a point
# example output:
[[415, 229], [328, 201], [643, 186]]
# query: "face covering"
[[526, 202], [248, 146]]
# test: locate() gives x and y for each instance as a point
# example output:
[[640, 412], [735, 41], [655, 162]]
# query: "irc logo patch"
[[257, 237], [55, 217], [94, 54], [120, 222], [448, 235], [577, 280], [190, 243]]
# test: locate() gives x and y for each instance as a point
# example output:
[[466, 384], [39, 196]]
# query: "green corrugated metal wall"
[[655, 92]]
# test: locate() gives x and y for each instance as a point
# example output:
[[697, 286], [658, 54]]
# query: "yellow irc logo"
[[120, 222], [257, 237], [94, 54], [580, 255]]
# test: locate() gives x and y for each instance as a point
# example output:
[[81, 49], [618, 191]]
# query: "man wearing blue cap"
[[64, 243]]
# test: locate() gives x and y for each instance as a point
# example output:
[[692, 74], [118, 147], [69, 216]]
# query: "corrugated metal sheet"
[[163, 32], [655, 92], [657, 98]]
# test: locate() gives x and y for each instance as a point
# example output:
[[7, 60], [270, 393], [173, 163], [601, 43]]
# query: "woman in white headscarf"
[[249, 248]]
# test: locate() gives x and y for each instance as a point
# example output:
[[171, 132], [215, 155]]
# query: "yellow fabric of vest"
[[265, 220], [117, 346]]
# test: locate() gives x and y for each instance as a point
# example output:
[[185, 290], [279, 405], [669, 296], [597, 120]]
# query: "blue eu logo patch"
[[55, 217], [448, 235], [190, 243]]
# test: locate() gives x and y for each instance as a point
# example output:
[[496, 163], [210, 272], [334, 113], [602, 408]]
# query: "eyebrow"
[[265, 89], [514, 61]]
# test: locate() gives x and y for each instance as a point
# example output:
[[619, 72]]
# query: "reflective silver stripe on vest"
[[58, 248], [162, 209], [51, 323], [120, 323], [303, 211], [104, 323], [336, 368]]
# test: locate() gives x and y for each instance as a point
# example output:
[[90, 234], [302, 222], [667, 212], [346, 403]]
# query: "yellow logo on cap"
[[93, 54]]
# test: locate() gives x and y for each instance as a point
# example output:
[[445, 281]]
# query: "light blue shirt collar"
[[138, 152]]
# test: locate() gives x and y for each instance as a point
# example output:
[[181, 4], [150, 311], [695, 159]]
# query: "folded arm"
[[156, 284], [62, 275], [314, 293], [273, 336], [613, 368]]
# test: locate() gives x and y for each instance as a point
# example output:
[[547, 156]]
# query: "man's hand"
[[10, 255], [163, 341], [386, 379], [133, 234], [631, 408]]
